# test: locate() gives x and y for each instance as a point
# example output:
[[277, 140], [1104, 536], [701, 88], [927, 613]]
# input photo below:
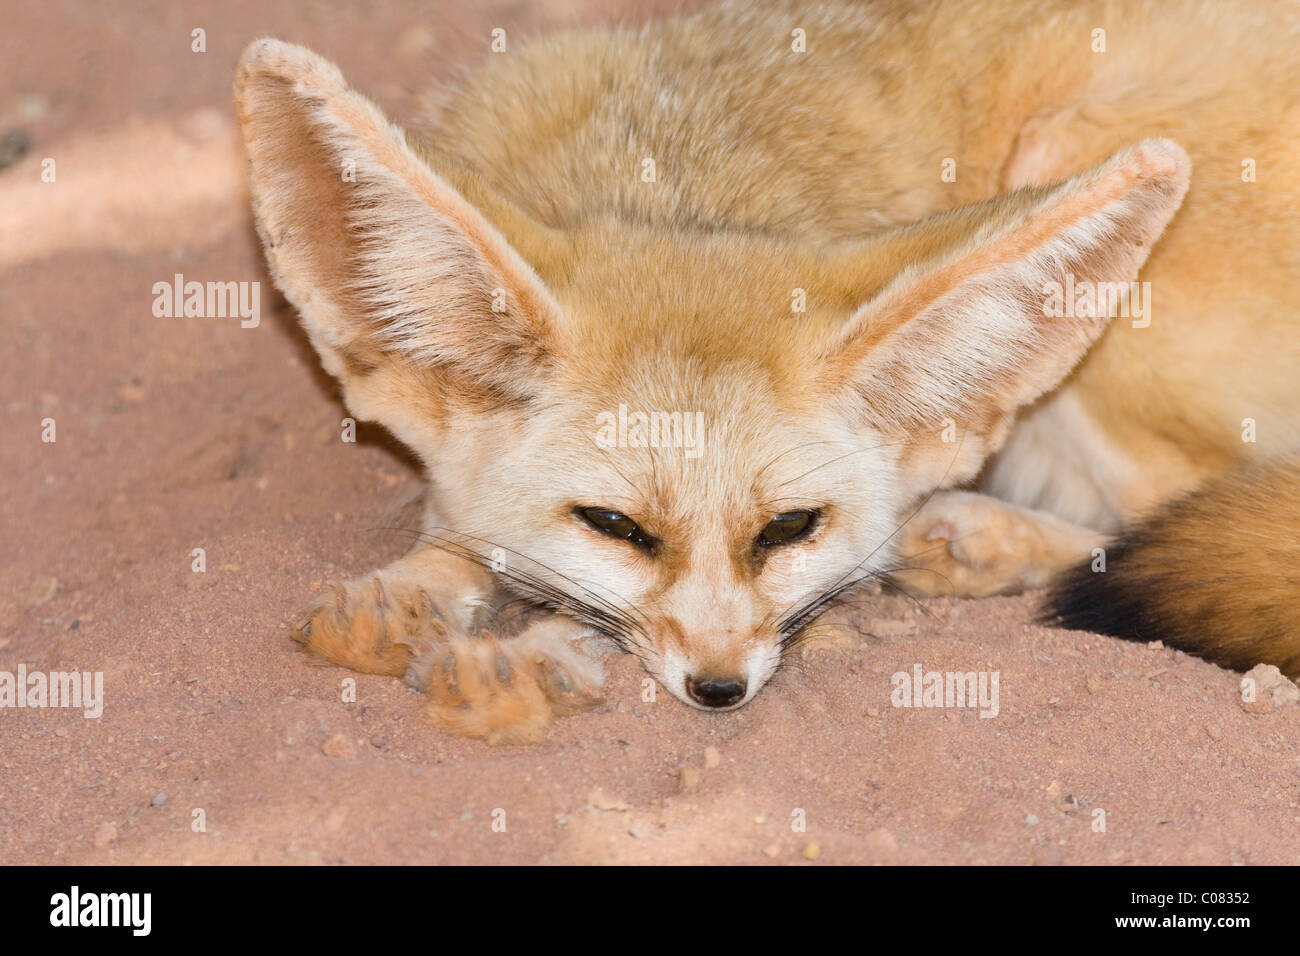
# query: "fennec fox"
[[698, 326]]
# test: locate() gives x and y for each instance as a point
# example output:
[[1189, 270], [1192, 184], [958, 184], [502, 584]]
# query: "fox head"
[[693, 440]]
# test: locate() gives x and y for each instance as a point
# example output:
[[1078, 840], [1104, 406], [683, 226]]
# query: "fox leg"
[[965, 544], [490, 668]]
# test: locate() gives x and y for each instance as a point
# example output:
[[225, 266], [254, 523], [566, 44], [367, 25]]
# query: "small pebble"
[[33, 106], [599, 799], [105, 834], [1267, 690], [883, 627], [158, 800], [14, 145], [711, 757], [812, 851], [339, 745], [42, 589]]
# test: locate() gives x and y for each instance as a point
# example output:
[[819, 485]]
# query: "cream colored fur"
[[491, 292]]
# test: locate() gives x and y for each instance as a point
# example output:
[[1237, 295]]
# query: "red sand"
[[175, 434]]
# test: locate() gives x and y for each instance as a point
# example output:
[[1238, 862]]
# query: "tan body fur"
[[849, 138], [775, 171]]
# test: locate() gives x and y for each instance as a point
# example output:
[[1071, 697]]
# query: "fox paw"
[[510, 690], [950, 548], [962, 544], [493, 668], [371, 626]]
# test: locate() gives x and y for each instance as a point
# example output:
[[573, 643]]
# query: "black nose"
[[713, 692]]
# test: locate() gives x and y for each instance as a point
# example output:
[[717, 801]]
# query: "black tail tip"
[[1085, 598]]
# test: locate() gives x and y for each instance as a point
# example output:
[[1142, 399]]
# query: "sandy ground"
[[176, 434]]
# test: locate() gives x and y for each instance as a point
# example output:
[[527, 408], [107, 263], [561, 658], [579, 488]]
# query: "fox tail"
[[1216, 573]]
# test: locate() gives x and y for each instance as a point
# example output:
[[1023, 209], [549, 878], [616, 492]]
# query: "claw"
[[449, 673], [427, 603], [503, 669], [556, 675], [479, 617], [419, 671], [340, 599], [562, 679]]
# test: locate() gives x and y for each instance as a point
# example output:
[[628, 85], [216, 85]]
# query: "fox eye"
[[617, 525], [786, 528]]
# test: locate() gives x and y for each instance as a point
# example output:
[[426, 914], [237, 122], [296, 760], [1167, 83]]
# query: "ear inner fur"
[[382, 257], [966, 337]]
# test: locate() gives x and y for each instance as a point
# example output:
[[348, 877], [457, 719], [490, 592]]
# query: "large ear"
[[968, 331], [394, 273]]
